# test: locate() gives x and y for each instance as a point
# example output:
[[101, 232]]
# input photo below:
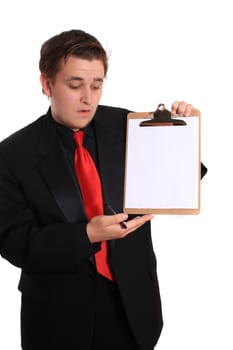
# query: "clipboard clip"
[[162, 117]]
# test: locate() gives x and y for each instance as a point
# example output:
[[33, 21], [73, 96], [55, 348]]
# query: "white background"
[[161, 51]]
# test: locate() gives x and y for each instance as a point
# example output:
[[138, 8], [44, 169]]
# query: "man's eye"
[[74, 87], [96, 87]]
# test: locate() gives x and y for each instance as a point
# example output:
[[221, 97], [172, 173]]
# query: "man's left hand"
[[181, 109]]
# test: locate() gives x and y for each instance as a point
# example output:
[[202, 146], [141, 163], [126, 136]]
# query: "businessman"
[[89, 276]]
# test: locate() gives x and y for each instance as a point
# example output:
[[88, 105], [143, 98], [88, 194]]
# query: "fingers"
[[116, 219], [137, 222], [131, 225], [181, 108], [134, 224]]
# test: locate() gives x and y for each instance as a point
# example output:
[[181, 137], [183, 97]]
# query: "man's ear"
[[45, 83]]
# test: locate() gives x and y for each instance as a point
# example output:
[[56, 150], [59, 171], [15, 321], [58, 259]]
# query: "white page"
[[162, 169]]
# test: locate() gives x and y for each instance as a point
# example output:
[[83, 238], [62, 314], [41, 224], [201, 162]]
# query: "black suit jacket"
[[43, 231]]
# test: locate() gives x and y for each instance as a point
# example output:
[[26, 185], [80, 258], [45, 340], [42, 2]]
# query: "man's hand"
[[181, 108], [107, 227]]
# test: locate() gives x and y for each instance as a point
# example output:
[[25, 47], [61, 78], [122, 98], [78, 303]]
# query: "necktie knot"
[[79, 137]]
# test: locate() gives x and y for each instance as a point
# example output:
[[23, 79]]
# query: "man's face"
[[75, 92]]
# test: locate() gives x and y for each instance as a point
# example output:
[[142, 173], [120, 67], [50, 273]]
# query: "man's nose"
[[86, 95]]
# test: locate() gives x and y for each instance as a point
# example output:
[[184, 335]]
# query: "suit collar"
[[47, 135]]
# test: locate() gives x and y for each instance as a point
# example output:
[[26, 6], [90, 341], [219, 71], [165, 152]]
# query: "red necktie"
[[91, 190]]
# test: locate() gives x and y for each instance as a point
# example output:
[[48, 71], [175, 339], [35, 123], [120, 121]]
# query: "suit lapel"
[[57, 173], [111, 150], [110, 136]]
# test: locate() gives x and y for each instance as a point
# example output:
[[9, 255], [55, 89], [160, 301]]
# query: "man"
[[45, 228]]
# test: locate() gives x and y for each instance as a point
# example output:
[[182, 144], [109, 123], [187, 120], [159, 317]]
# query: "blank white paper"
[[162, 167]]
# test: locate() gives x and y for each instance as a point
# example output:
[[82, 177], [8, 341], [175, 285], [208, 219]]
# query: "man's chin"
[[80, 125]]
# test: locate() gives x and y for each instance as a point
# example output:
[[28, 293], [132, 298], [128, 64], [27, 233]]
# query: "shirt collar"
[[66, 134]]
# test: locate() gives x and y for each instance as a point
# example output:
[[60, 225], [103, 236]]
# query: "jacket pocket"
[[32, 288]]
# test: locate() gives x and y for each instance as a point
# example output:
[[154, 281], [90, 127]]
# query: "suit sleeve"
[[56, 247]]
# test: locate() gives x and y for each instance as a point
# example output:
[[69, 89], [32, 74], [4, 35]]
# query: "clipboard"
[[162, 163]]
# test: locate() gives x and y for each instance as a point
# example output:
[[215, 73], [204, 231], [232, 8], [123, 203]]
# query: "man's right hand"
[[107, 227]]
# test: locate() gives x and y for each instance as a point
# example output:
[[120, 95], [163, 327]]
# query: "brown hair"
[[70, 43]]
